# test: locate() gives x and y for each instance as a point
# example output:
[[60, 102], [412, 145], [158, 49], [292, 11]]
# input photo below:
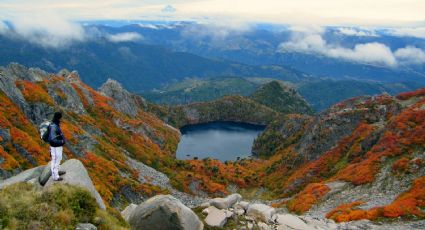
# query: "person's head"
[[57, 117]]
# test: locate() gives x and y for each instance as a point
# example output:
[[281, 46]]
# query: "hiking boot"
[[59, 179], [61, 173]]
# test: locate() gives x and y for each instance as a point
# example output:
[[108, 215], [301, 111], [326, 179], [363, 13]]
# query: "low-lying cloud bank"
[[47, 30], [310, 40], [124, 37]]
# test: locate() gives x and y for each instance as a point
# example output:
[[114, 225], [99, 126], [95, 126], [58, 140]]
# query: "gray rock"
[[24, 176], [242, 204], [216, 217], [127, 211], [45, 174], [261, 212], [292, 222], [76, 174], [223, 203], [85, 226], [264, 226], [164, 212], [123, 100]]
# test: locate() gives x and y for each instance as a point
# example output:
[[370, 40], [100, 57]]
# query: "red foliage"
[[34, 92], [408, 95], [401, 165], [410, 203], [304, 200]]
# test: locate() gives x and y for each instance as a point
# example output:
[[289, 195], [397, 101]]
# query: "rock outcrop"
[[123, 100], [164, 212], [76, 174], [25, 176]]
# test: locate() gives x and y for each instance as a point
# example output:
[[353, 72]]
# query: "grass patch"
[[62, 206]]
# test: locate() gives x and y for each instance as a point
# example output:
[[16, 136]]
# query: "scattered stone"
[[208, 210], [264, 226], [85, 226], [205, 205], [250, 226], [242, 204], [239, 212], [261, 212], [216, 217], [127, 211], [291, 221], [224, 203], [164, 212]]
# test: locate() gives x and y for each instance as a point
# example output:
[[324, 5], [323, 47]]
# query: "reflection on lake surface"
[[218, 140]]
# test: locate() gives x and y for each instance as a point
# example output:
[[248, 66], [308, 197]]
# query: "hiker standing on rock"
[[56, 141]]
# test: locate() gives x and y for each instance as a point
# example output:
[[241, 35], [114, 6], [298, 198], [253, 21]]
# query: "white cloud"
[[418, 32], [218, 30], [124, 37], [356, 32], [371, 53], [47, 29], [410, 55]]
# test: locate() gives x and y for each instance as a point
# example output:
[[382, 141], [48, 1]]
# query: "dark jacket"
[[56, 138]]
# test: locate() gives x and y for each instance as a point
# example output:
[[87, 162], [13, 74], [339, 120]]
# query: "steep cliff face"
[[101, 128]]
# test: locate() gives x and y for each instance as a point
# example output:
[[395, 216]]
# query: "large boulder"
[[261, 212], [224, 203], [76, 174], [24, 176], [164, 212], [126, 213]]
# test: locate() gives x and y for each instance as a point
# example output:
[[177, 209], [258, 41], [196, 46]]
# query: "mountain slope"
[[137, 66], [281, 98], [98, 134]]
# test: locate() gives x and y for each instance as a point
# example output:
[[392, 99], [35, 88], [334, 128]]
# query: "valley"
[[360, 159]]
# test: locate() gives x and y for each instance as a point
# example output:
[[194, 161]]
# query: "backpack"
[[44, 130]]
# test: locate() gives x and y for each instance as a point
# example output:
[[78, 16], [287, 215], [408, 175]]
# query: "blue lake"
[[218, 140]]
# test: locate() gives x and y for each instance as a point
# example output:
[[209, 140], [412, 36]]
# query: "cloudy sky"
[[323, 12], [53, 23]]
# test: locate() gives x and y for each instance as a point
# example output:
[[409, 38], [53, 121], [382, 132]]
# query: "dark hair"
[[56, 117]]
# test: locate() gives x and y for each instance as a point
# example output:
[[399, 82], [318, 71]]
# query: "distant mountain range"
[[146, 56]]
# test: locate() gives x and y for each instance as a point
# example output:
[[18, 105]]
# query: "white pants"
[[56, 153]]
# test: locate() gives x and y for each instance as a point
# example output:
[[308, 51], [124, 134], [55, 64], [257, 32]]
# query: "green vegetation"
[[25, 206], [281, 98], [322, 94], [199, 90], [228, 108]]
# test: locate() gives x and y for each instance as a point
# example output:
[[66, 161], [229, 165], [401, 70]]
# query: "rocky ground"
[[149, 174], [233, 213]]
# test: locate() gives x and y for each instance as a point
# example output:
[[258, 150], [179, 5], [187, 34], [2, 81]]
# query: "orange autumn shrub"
[[401, 165], [34, 92], [324, 167], [351, 212], [407, 204], [408, 95], [410, 203], [308, 197]]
